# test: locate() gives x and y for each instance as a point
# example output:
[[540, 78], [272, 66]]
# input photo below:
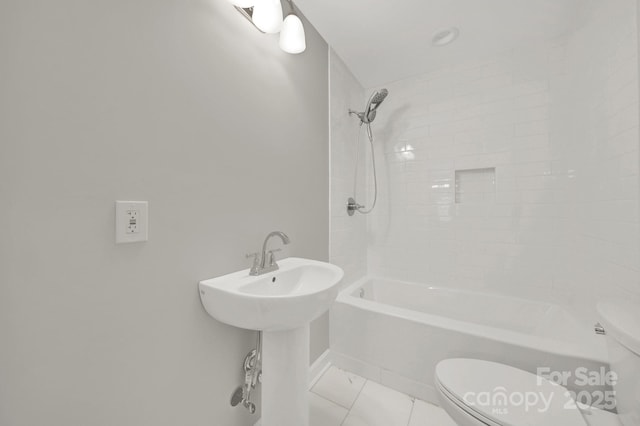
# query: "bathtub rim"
[[596, 352]]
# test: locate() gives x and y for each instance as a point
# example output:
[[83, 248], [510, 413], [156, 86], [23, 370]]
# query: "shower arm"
[[359, 114]]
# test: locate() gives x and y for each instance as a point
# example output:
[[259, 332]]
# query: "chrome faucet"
[[266, 262]]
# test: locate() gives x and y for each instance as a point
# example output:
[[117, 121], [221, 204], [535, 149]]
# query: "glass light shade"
[[292, 39], [245, 4], [267, 15]]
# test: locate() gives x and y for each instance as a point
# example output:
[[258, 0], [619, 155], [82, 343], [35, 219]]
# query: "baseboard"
[[316, 370], [318, 367]]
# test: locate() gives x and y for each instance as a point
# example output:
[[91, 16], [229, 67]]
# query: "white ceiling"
[[382, 41]]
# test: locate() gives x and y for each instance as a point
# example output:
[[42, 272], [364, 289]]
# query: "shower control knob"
[[250, 406], [352, 206], [237, 396]]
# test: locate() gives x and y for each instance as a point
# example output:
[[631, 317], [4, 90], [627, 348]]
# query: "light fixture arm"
[[292, 8], [247, 12]]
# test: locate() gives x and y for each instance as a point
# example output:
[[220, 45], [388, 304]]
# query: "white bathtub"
[[396, 332]]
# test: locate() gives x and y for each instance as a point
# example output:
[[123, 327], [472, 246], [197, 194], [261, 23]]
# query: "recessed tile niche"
[[476, 186]]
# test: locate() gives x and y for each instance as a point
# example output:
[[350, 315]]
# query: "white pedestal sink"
[[281, 304]]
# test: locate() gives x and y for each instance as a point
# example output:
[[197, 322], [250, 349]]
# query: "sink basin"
[[289, 298], [281, 304]]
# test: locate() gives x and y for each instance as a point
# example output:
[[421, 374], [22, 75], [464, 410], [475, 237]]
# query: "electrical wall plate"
[[132, 221]]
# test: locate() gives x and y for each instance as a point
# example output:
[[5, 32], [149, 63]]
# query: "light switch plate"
[[132, 221]]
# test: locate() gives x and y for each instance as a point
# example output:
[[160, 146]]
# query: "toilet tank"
[[621, 320]]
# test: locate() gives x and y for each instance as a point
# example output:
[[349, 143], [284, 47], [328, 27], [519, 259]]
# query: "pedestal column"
[[285, 377]]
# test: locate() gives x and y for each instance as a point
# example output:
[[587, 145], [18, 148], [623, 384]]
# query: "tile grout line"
[[333, 403], [354, 402], [358, 395]]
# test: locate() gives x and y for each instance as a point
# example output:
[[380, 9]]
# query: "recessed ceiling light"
[[444, 37]]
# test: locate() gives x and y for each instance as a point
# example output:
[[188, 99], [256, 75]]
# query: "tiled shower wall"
[[559, 123], [490, 114], [348, 239], [600, 253]]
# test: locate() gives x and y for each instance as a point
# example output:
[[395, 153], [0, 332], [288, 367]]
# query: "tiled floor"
[[340, 398]]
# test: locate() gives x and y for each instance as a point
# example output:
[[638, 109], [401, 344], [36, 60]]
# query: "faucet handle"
[[256, 258], [271, 260]]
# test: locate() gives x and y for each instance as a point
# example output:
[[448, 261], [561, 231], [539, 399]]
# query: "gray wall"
[[183, 104]]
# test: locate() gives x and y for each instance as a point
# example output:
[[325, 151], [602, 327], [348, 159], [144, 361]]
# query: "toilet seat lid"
[[506, 395]]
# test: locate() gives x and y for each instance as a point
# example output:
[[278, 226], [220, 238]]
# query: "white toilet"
[[480, 393]]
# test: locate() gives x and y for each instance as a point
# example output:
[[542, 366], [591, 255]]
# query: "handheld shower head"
[[379, 96], [374, 102]]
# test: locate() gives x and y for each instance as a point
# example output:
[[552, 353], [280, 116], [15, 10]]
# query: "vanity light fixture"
[[292, 38], [266, 16]]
